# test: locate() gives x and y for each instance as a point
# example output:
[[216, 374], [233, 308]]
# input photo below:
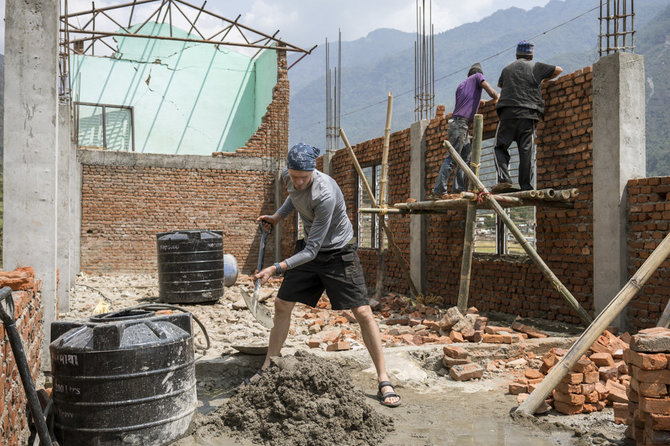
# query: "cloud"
[[308, 22]]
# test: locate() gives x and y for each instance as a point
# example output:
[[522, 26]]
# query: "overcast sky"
[[308, 22]]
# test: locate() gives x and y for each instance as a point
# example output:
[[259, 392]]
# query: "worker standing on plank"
[[468, 98], [325, 260], [519, 108]]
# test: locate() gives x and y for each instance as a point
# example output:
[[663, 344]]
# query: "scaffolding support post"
[[383, 184], [592, 333], [546, 271], [387, 230], [469, 238]]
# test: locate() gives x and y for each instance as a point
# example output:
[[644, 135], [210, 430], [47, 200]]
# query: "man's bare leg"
[[373, 343], [278, 333]]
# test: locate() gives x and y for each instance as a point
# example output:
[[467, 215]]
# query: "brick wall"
[[648, 224], [511, 284], [28, 315], [125, 205]]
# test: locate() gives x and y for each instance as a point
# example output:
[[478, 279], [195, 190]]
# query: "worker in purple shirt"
[[468, 97]]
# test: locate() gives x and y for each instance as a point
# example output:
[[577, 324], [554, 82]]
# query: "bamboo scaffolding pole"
[[389, 235], [471, 196], [562, 290], [601, 322], [471, 213], [548, 194], [379, 288], [385, 151]]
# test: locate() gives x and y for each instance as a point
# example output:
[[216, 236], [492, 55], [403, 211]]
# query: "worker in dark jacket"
[[519, 108]]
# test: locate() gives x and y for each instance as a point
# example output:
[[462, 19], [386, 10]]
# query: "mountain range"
[[565, 33]]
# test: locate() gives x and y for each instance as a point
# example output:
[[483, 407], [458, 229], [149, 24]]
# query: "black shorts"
[[338, 272]]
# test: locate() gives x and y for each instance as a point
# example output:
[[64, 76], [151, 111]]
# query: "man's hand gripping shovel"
[[260, 312]]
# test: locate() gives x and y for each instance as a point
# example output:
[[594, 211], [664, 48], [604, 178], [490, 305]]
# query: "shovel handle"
[[6, 299], [261, 251]]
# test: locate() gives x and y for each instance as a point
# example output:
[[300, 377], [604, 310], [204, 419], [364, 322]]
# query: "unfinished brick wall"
[[369, 153], [511, 284], [28, 315], [648, 224], [125, 206]]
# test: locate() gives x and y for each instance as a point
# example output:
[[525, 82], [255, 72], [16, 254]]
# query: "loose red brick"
[[645, 361], [455, 352], [466, 372]]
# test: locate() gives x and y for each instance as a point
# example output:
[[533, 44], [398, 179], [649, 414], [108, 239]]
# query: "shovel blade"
[[260, 312]]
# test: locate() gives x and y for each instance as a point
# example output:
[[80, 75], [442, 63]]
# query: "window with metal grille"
[[368, 225], [491, 235], [104, 126]]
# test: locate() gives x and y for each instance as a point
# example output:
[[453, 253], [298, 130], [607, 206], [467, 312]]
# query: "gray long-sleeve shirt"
[[324, 215]]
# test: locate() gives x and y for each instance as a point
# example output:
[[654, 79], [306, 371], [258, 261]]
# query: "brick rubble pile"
[[597, 380]]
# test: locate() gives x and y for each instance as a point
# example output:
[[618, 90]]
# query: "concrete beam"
[[417, 223], [231, 162], [31, 145], [618, 156]]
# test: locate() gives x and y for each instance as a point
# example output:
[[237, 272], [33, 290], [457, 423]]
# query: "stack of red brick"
[[28, 316], [647, 413], [459, 365], [597, 380]]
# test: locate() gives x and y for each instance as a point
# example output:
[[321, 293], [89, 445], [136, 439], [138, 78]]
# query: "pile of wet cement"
[[304, 400]]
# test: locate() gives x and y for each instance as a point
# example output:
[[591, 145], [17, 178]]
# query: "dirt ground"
[[435, 409]]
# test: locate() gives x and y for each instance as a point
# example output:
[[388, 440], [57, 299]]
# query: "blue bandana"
[[302, 157]]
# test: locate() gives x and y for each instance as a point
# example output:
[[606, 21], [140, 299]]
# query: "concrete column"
[[417, 223], [618, 155], [68, 199], [31, 144], [279, 187], [327, 161]]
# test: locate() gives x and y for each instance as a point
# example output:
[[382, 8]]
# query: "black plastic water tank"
[[190, 266], [123, 378]]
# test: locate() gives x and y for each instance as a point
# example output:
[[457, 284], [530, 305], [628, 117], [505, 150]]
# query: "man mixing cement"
[[324, 260], [519, 108]]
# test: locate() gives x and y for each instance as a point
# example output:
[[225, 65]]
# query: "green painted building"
[[166, 96]]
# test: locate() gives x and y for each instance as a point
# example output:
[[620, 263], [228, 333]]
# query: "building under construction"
[[116, 133]]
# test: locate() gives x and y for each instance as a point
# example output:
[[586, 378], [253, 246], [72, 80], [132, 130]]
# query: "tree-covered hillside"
[[654, 42]]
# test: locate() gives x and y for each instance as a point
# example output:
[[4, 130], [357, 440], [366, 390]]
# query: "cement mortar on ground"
[[430, 398], [299, 400]]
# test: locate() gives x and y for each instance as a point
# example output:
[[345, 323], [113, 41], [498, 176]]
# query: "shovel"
[[7, 317], [260, 312]]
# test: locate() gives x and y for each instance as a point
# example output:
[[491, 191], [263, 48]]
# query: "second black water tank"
[[190, 266]]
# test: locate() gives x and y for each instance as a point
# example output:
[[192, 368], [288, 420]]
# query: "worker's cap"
[[524, 48], [302, 157], [475, 68]]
